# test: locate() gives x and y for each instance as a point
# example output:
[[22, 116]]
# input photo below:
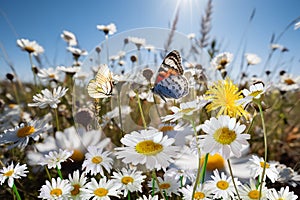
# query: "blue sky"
[[44, 21]]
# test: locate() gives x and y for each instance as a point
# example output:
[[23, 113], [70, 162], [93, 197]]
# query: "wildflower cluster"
[[125, 126]]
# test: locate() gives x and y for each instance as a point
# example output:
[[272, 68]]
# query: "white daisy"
[[222, 186], [20, 135], [147, 147], [137, 41], [77, 52], [46, 98], [129, 180], [72, 139], [69, 37], [12, 172], [201, 193], [288, 175], [256, 166], [251, 191], [252, 59], [289, 82], [185, 110], [109, 29], [77, 182], [57, 189], [125, 110], [144, 197], [30, 46], [255, 92], [54, 158], [50, 74], [222, 60], [167, 185], [100, 191], [69, 70], [182, 175], [224, 136], [282, 194], [96, 159]]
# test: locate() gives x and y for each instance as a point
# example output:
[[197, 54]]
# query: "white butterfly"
[[102, 85]]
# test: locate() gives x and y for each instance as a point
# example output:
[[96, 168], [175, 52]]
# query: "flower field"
[[150, 113]]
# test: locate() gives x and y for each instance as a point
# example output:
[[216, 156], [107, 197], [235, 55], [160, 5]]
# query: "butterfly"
[[102, 85], [170, 82]]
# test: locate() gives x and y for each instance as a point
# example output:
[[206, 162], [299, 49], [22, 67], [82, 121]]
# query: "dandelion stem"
[[141, 110], [265, 146], [59, 172], [233, 181], [56, 118], [16, 192]]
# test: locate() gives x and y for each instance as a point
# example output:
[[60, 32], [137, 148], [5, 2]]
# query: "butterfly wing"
[[171, 65], [172, 87], [170, 82], [102, 85]]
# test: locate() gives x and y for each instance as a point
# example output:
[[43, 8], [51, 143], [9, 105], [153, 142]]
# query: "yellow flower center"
[[76, 190], [164, 186], [223, 185], [101, 192], [199, 195], [224, 136], [255, 93], [253, 194], [280, 198], [11, 105], [9, 173], [29, 49], [186, 110], [56, 192], [148, 148], [97, 159], [262, 164], [215, 161], [127, 179], [52, 76], [166, 128], [25, 131], [77, 155], [289, 81]]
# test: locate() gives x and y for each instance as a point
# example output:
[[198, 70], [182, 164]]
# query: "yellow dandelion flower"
[[223, 96]]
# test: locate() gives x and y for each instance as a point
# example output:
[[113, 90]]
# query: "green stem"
[[156, 180], [59, 172], [16, 192], [128, 196], [32, 69], [48, 174], [120, 113], [199, 174], [202, 176], [141, 110], [265, 146], [233, 181], [56, 118]]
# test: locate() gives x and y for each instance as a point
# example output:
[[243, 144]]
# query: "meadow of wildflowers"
[[128, 120]]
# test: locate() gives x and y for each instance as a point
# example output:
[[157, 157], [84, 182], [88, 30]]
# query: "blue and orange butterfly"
[[170, 82]]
